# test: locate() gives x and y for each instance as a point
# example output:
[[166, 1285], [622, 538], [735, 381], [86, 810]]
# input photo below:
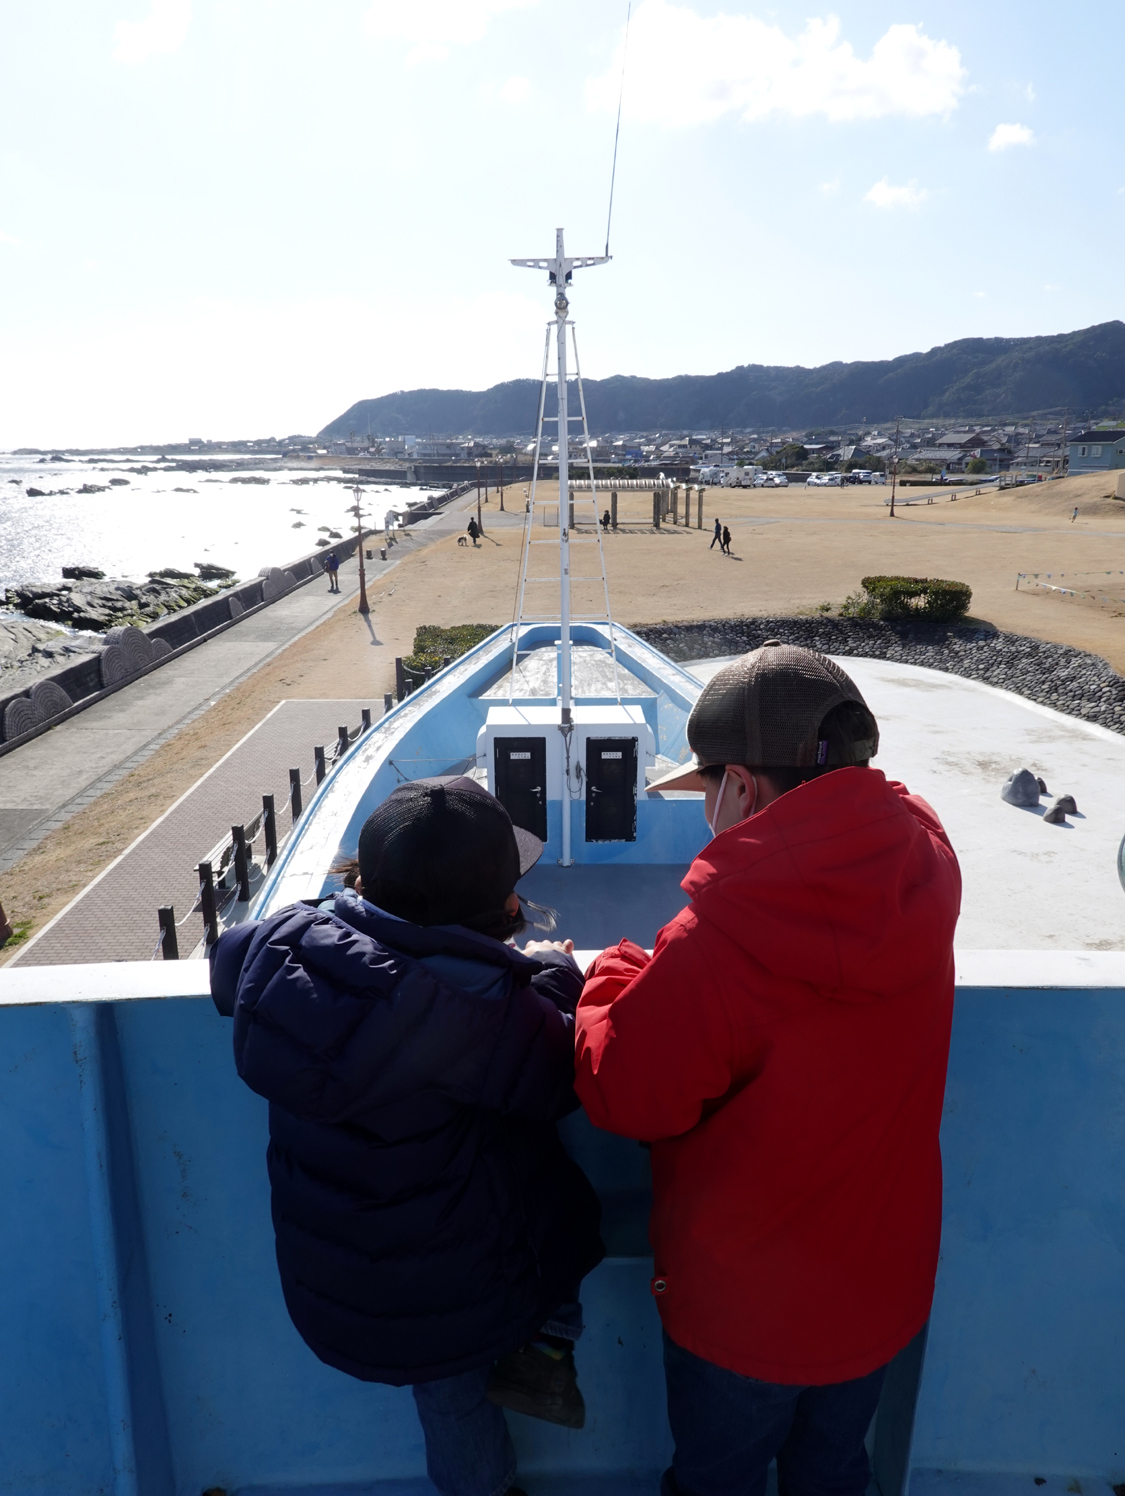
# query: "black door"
[[611, 789], [521, 782]]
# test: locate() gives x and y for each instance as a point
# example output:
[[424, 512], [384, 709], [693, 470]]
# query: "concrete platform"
[[114, 918]]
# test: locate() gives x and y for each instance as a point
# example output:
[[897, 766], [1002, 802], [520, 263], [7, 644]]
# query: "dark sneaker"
[[531, 1381]]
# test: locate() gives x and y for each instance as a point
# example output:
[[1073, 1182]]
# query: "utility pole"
[[894, 468], [364, 606], [480, 521], [501, 485], [1063, 463]]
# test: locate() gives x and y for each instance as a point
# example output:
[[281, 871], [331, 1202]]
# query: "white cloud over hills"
[[684, 68]]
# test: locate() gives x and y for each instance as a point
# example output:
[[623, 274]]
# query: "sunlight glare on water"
[[136, 528]]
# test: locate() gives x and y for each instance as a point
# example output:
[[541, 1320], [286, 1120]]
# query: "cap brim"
[[686, 777], [530, 849]]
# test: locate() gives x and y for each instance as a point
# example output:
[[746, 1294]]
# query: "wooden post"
[[241, 863], [170, 947], [318, 759], [400, 678], [388, 703], [613, 509], [699, 508], [675, 504], [269, 828], [656, 509], [207, 903], [295, 793], [343, 738], [365, 719]]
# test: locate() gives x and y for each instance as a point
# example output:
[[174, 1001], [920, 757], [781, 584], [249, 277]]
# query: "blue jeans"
[[727, 1428], [469, 1451]]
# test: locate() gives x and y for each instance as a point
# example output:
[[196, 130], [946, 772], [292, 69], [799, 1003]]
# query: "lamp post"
[[480, 521], [364, 606], [894, 468], [501, 485]]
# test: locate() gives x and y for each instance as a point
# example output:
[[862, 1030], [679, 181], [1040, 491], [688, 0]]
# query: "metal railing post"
[[446, 661], [365, 719], [241, 863], [269, 828], [171, 948], [613, 509], [656, 509], [295, 806], [207, 903], [388, 703], [318, 759], [343, 739], [400, 679]]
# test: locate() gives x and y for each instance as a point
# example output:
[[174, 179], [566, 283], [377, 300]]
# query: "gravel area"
[[1055, 675]]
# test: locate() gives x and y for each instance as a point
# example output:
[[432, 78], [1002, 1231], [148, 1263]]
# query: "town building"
[[1097, 451]]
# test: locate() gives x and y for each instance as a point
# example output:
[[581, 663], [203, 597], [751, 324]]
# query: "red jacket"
[[784, 1050]]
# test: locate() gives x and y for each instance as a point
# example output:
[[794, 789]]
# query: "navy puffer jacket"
[[428, 1219]]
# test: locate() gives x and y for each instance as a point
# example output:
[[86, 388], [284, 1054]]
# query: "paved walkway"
[[114, 918], [56, 775]]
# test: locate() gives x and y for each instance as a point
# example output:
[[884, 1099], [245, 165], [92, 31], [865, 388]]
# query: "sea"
[[155, 515]]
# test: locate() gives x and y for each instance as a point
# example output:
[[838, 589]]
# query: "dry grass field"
[[792, 550]]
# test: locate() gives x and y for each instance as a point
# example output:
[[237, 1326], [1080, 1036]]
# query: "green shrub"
[[432, 644], [929, 598], [976, 465]]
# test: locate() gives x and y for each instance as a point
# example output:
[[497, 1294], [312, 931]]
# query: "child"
[[431, 1230]]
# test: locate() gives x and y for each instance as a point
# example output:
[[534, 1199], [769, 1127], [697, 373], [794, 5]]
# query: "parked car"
[[774, 480], [824, 480]]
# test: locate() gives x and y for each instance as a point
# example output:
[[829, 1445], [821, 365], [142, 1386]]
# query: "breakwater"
[[1056, 675]]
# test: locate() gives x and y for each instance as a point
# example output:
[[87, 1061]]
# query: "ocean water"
[[170, 518]]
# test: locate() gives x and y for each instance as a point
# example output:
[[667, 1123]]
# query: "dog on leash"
[[462, 540]]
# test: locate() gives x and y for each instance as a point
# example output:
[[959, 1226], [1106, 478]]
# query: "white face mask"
[[713, 821]]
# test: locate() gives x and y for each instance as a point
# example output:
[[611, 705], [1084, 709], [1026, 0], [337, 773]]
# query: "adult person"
[[724, 544], [431, 1229], [332, 567], [784, 1052], [474, 529], [718, 536], [606, 517]]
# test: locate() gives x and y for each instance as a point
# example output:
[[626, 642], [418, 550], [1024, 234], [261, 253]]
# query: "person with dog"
[[431, 1229], [783, 1051], [473, 530]]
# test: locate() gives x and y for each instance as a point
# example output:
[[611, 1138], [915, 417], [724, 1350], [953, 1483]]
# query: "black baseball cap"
[[446, 847]]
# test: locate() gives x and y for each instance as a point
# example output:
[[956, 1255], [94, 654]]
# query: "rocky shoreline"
[[1055, 675], [87, 599]]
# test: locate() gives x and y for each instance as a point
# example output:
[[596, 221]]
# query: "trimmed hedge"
[[931, 599], [432, 644]]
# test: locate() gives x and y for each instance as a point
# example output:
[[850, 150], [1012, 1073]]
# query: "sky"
[[234, 218]]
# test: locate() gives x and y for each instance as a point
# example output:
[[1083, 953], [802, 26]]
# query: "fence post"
[[241, 863], [656, 508], [675, 504], [343, 738], [295, 806], [207, 903], [269, 827], [613, 509], [365, 719], [171, 948], [699, 508], [388, 703], [446, 661], [400, 679], [318, 759]]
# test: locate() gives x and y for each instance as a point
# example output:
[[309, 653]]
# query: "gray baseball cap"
[[765, 709]]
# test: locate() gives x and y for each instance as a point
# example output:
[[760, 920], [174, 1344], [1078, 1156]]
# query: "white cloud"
[[9, 238], [1008, 135], [883, 195], [515, 90], [830, 188], [711, 66], [162, 30], [431, 28], [1031, 93], [979, 295]]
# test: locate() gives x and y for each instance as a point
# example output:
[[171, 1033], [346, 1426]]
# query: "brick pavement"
[[114, 918]]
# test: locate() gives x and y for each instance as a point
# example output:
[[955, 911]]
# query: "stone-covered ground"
[[1056, 675]]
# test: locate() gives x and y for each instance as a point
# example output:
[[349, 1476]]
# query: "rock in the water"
[[92, 488], [1021, 789], [212, 573], [83, 573], [119, 482], [102, 605], [36, 493], [173, 574]]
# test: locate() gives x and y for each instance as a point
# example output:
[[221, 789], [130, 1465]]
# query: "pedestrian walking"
[[725, 542], [718, 536], [332, 567], [793, 1105], [474, 530], [605, 521], [1074, 516]]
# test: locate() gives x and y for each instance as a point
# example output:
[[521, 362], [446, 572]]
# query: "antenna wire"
[[617, 131]]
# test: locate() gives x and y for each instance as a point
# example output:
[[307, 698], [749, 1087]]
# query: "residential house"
[[1097, 451]]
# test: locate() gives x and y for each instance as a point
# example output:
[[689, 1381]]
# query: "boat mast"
[[559, 273]]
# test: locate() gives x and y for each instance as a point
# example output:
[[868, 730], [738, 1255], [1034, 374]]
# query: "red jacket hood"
[[848, 882]]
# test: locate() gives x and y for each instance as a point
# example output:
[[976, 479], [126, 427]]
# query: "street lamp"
[[894, 468], [364, 606]]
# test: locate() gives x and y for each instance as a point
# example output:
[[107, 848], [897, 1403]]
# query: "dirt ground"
[[792, 550]]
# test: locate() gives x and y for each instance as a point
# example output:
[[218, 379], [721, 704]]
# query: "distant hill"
[[969, 379]]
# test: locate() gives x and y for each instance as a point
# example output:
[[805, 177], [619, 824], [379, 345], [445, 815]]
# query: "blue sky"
[[235, 217]]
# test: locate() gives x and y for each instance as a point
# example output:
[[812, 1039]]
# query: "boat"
[[148, 1351]]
